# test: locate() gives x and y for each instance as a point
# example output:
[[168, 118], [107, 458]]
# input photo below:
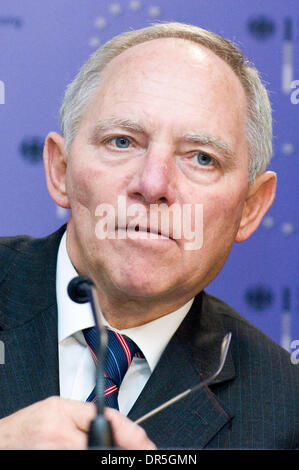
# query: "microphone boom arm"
[[224, 350], [81, 290]]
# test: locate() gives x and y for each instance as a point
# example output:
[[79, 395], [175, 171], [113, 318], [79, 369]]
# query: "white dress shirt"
[[76, 366]]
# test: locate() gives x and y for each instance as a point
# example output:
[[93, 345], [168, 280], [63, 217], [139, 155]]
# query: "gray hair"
[[80, 92]]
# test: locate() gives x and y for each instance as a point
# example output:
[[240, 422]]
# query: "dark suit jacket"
[[253, 404]]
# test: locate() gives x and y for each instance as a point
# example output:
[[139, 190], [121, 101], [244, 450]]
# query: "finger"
[[72, 439], [128, 434], [79, 440], [81, 413]]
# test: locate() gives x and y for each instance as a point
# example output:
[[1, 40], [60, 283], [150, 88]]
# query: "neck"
[[123, 312]]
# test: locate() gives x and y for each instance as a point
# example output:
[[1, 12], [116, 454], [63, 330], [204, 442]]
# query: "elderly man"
[[170, 117]]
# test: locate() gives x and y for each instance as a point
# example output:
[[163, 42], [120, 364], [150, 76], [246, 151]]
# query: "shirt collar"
[[151, 338], [72, 317]]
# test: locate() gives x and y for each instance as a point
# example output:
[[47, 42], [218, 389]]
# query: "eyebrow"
[[109, 123], [214, 141]]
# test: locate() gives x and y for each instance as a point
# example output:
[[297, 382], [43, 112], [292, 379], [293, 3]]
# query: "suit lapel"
[[28, 318], [192, 354]]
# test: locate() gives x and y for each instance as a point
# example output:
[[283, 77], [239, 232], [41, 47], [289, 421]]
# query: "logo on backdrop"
[[259, 297], [31, 149], [261, 27], [9, 20]]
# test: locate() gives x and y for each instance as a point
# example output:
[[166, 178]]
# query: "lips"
[[154, 233], [145, 229]]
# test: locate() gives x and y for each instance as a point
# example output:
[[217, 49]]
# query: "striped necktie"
[[120, 352]]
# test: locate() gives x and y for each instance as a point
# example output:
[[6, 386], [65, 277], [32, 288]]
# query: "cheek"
[[86, 185], [222, 215]]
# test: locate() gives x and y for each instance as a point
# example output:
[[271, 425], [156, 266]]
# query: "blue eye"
[[203, 158], [121, 142]]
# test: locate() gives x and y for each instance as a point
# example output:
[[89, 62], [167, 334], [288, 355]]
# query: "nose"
[[154, 181]]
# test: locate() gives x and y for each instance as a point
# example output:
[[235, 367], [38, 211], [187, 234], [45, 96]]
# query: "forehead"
[[169, 77], [175, 59]]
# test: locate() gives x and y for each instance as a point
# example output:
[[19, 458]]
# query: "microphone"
[[78, 289], [81, 289]]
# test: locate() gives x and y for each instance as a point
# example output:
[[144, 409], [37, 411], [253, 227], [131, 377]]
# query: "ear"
[[55, 163], [259, 199]]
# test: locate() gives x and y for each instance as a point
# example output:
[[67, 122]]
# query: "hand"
[[126, 433], [58, 423]]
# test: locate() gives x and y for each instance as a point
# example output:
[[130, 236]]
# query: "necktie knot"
[[120, 353]]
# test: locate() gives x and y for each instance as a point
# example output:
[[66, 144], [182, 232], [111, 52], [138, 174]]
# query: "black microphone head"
[[78, 289]]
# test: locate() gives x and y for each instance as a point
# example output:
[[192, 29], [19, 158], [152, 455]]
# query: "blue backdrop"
[[42, 46]]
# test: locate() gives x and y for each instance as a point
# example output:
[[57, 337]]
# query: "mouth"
[[140, 232]]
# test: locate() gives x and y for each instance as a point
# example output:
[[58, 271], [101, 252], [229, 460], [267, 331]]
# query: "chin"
[[139, 277], [146, 287]]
